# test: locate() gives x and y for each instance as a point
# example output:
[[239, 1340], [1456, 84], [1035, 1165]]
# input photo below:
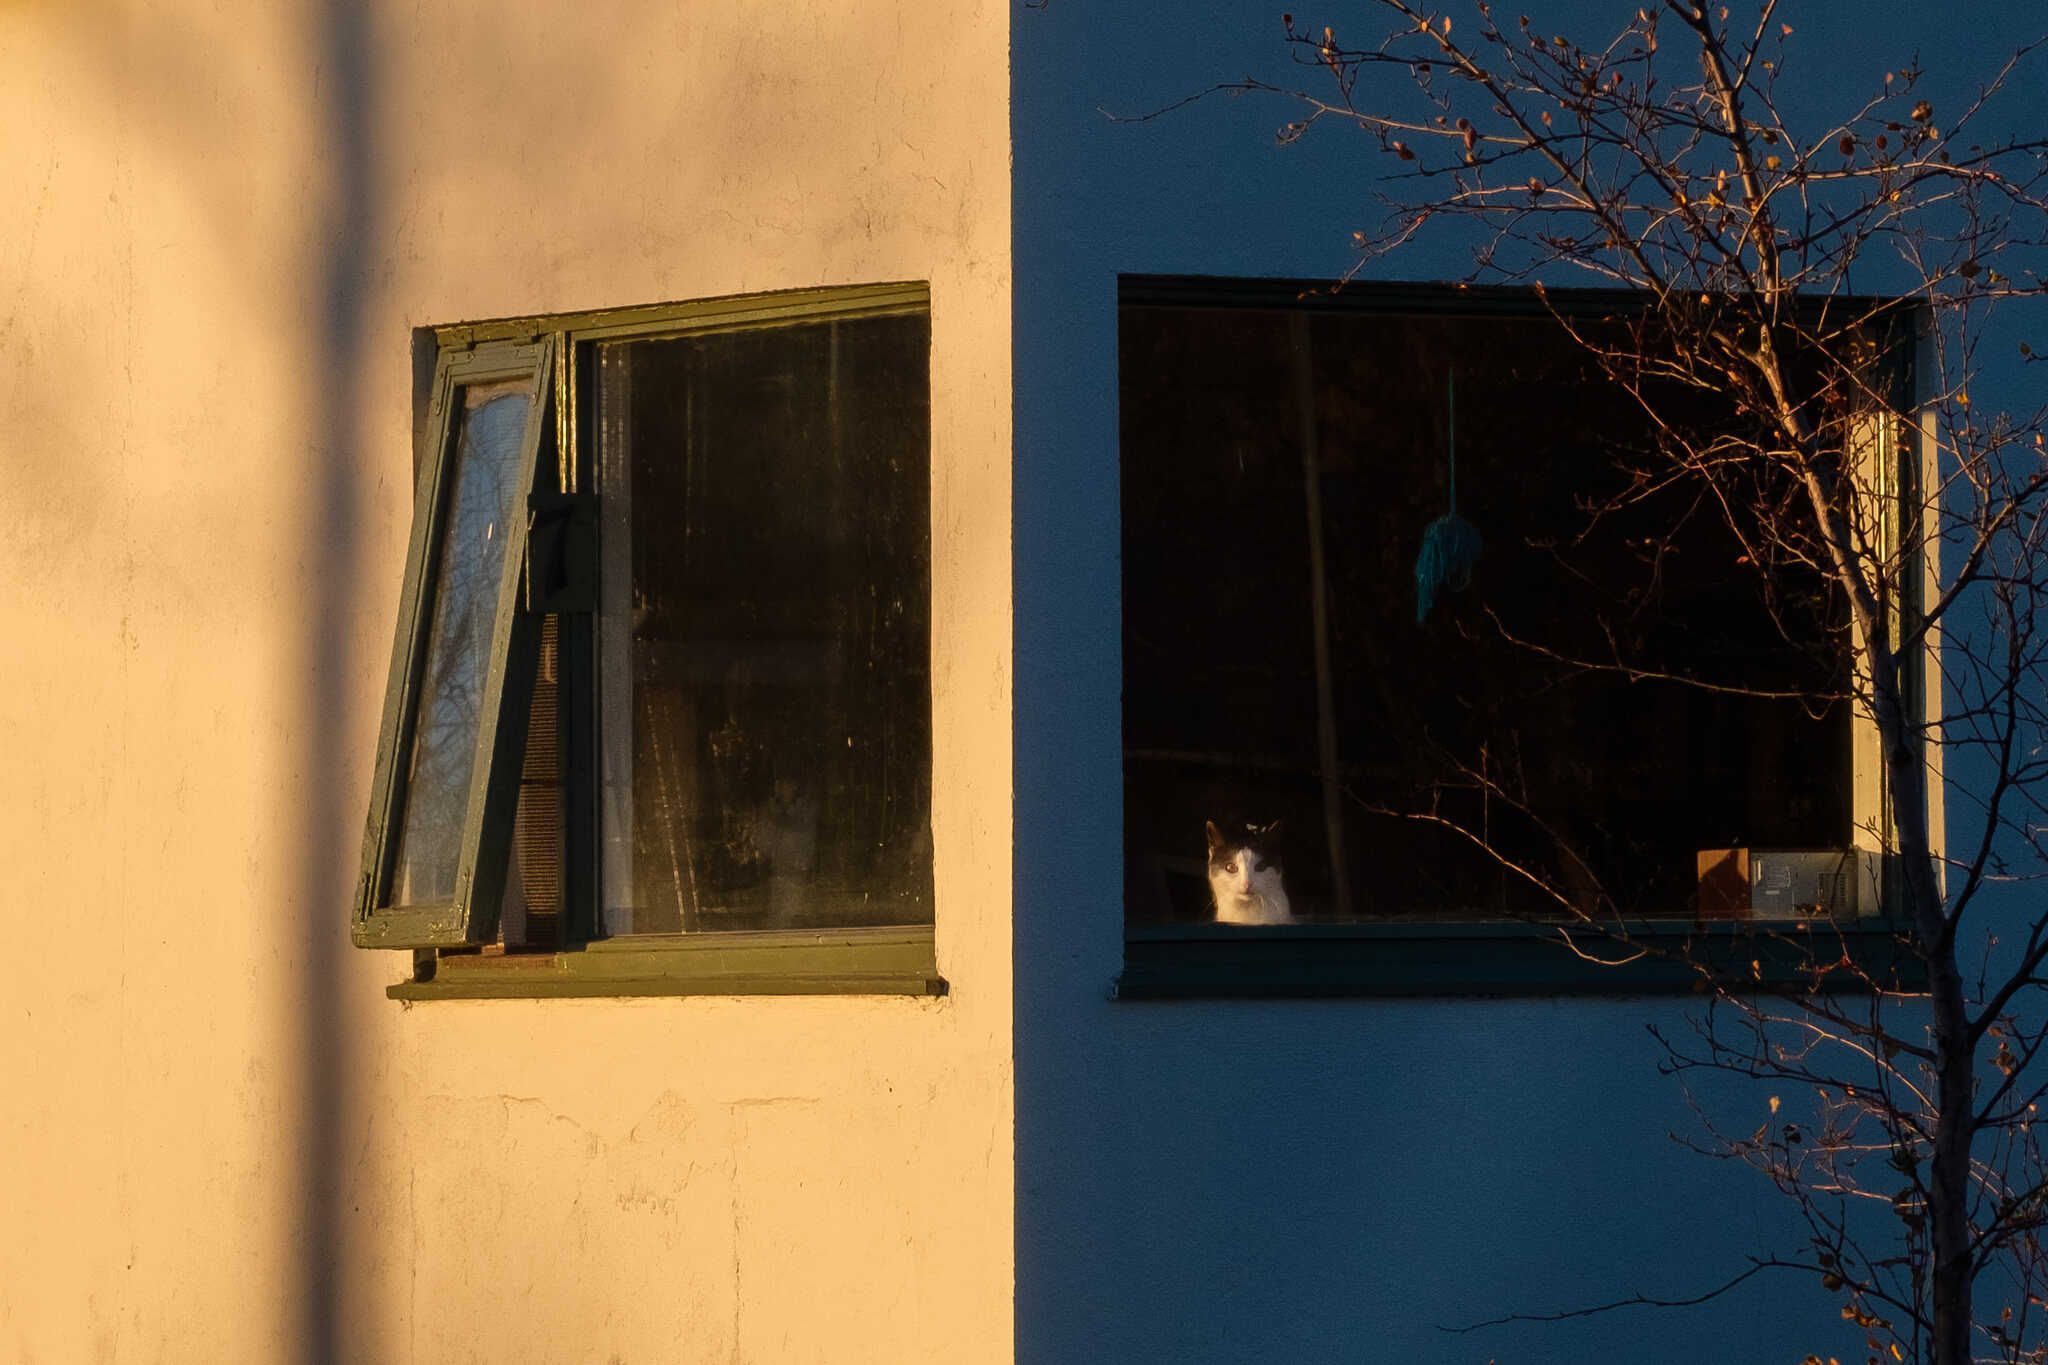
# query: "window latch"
[[561, 553]]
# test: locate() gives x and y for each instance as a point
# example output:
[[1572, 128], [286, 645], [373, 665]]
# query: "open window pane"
[[1470, 765], [488, 493], [433, 851], [764, 646]]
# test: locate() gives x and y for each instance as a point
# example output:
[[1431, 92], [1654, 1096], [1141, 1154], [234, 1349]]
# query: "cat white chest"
[[1253, 910]]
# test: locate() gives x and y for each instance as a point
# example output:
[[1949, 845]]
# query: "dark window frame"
[[1506, 957], [552, 574]]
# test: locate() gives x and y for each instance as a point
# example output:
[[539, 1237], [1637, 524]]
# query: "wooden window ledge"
[[778, 962]]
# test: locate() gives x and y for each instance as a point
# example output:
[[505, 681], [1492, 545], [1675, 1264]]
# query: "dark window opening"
[[1465, 766]]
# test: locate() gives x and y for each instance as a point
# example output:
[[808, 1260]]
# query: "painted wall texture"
[[1315, 1181], [220, 1141]]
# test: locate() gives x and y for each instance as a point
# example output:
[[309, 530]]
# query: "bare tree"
[[1846, 449]]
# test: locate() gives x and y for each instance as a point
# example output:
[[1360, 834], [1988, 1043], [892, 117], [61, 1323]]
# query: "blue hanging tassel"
[[1451, 545]]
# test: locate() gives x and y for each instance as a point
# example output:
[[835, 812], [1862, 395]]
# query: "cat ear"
[[1273, 831], [1215, 835]]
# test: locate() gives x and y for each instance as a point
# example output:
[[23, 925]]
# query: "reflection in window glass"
[[764, 632], [1445, 733], [484, 497]]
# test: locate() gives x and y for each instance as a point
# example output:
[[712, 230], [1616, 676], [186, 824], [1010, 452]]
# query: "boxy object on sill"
[[1787, 884]]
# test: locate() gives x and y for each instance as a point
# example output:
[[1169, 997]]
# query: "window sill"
[[781, 962], [1324, 961]]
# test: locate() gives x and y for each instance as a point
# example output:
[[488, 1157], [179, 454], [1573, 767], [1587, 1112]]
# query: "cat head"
[[1261, 840], [1244, 872]]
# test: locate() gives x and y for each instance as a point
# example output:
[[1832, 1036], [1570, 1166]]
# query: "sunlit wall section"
[[222, 1140]]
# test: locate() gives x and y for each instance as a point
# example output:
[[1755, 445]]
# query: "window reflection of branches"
[[483, 499]]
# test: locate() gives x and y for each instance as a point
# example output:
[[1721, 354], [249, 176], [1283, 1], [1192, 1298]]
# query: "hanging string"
[[1451, 545]]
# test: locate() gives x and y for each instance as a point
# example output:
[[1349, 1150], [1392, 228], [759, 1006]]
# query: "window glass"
[[1482, 762], [764, 652], [484, 497]]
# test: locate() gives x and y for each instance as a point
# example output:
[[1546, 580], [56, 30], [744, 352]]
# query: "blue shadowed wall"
[[1313, 1181]]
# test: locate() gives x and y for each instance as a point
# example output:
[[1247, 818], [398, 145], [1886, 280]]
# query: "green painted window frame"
[[770, 962], [1506, 958], [470, 915], [454, 957]]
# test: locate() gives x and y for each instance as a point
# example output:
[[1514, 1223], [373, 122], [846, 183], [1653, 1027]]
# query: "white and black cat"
[[1245, 876]]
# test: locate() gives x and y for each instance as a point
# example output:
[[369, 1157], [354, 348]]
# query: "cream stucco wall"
[[219, 1141]]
